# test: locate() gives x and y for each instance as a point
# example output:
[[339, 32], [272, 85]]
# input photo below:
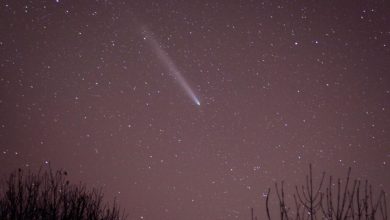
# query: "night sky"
[[192, 109]]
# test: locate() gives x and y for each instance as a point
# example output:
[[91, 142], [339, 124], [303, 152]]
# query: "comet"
[[163, 56]]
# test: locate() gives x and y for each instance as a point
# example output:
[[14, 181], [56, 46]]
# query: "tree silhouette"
[[48, 195], [341, 201]]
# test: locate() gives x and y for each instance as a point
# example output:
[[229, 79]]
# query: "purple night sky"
[[107, 91]]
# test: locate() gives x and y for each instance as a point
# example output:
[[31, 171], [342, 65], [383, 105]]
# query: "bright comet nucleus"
[[197, 102]]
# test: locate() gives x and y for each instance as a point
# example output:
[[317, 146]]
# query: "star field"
[[281, 83]]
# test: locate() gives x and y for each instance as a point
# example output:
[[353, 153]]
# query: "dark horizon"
[[197, 121]]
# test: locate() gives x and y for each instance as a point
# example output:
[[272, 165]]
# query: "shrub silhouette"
[[342, 200], [48, 195]]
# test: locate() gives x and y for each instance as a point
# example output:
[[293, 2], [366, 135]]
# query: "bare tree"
[[48, 195], [349, 201], [344, 203], [309, 199]]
